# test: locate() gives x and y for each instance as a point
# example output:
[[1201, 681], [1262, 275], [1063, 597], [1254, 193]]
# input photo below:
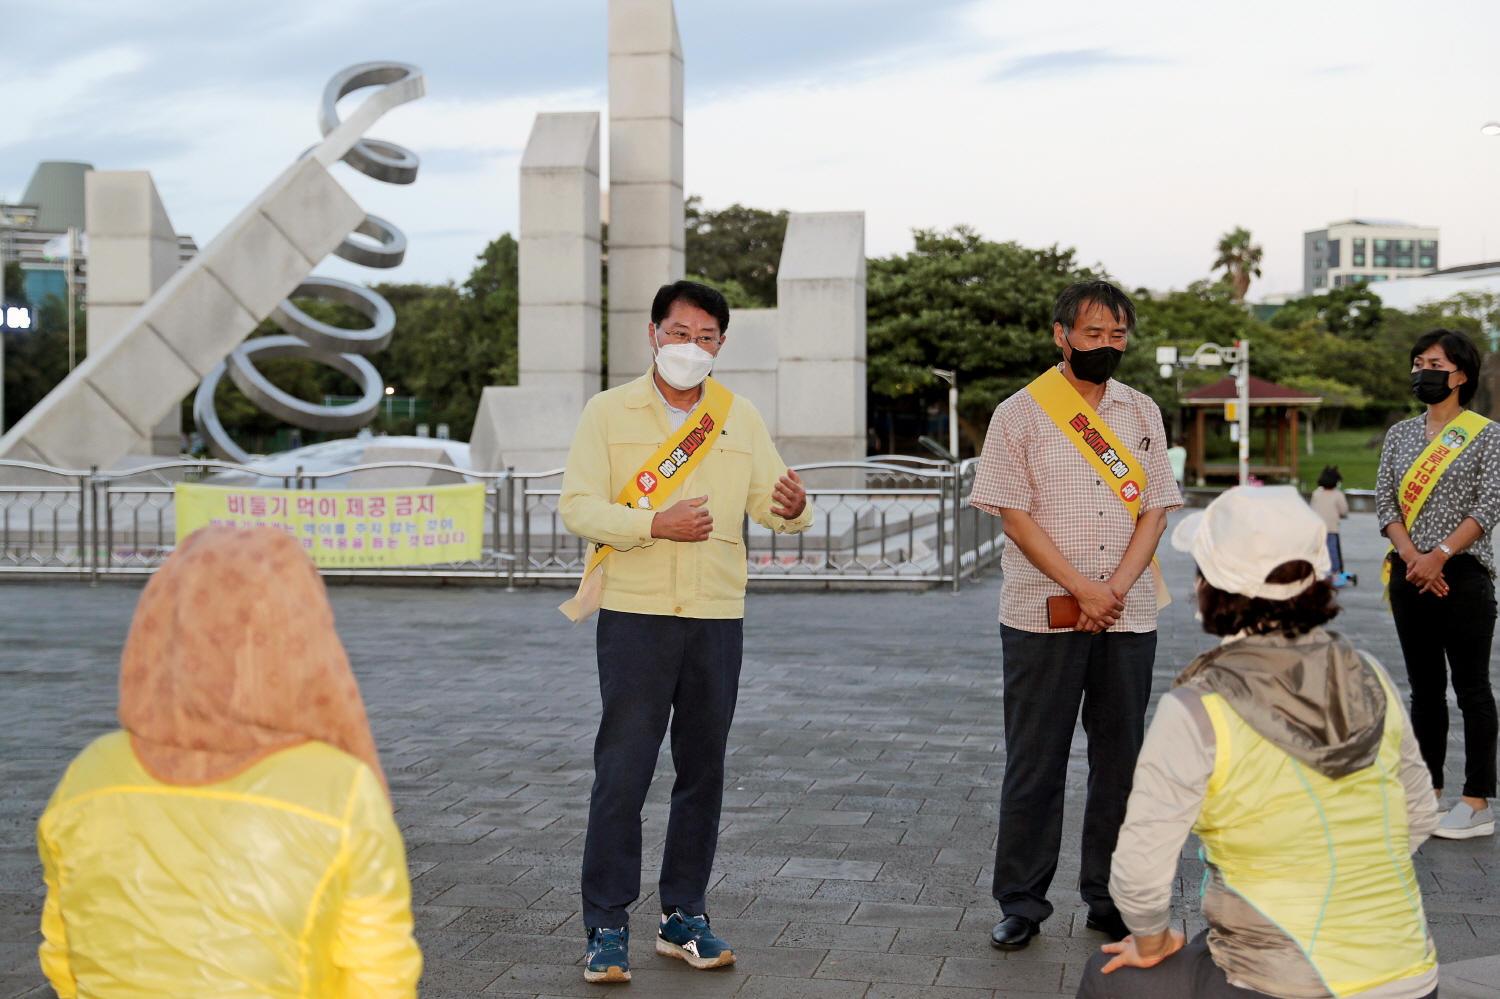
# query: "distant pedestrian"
[[661, 474], [1286, 751], [1329, 502], [1076, 466], [1177, 456], [1437, 497], [236, 838]]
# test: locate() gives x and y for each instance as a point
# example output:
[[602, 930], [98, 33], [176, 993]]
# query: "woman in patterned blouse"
[[1442, 587]]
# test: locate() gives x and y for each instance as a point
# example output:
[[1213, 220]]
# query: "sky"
[[1136, 133]]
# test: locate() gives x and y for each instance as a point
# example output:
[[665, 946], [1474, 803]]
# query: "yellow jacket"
[[619, 430], [288, 880]]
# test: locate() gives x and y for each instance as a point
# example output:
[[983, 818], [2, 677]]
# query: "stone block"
[[142, 378], [822, 245], [645, 213], [643, 26], [650, 82], [199, 318], [822, 320], [404, 478], [88, 428], [750, 343], [559, 338], [258, 264], [558, 271], [819, 398], [120, 270], [566, 140], [105, 321], [527, 428], [756, 387], [312, 211]]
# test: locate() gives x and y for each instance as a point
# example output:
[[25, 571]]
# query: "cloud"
[[1070, 63]]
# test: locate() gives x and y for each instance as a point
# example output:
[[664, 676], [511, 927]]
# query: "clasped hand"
[[1100, 605], [689, 519], [1426, 572]]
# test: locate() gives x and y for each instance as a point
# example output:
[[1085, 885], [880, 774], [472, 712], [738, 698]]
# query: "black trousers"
[[1048, 675], [655, 669], [1458, 628]]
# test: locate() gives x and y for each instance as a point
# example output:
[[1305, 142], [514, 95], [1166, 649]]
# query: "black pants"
[[651, 669], [1460, 628], [1188, 974], [1047, 676]]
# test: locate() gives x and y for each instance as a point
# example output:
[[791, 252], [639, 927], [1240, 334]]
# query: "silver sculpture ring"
[[259, 390], [336, 339], [390, 252], [372, 157]]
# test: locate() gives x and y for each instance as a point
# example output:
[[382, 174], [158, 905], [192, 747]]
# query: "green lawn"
[[1344, 448]]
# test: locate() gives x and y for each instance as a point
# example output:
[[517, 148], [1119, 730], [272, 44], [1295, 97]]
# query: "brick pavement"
[[859, 815]]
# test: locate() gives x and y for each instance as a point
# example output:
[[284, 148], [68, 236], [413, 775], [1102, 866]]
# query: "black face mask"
[[1097, 365], [1431, 385]]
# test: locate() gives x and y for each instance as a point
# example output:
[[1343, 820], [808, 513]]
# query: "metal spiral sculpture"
[[306, 337]]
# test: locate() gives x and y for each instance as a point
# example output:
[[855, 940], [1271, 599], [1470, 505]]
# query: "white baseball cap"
[[1250, 530]]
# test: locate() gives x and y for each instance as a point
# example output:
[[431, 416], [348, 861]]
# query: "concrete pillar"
[[646, 237], [558, 341], [820, 289], [132, 252], [529, 426], [747, 361]]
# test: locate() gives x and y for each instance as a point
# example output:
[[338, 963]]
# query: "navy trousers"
[[654, 672], [1048, 676]]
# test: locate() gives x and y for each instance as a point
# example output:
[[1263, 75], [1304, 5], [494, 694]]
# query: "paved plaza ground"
[[860, 811]]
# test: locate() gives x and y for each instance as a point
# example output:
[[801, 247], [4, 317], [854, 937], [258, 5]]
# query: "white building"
[[1359, 250]]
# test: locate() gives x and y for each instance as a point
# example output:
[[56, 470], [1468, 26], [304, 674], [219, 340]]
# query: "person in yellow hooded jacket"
[[1287, 751], [235, 839]]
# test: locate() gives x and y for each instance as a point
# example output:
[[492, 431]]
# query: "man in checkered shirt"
[[1069, 533]]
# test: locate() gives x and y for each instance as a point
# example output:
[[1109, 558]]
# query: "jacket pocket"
[[721, 567]]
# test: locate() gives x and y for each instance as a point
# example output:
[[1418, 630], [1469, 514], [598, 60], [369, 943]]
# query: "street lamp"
[[1211, 355], [951, 377]]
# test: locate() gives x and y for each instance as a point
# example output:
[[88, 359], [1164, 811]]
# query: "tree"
[[736, 250], [37, 359], [15, 281], [1240, 261], [1353, 310], [962, 302]]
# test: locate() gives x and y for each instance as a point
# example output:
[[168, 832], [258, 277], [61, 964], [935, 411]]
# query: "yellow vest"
[[1327, 861]]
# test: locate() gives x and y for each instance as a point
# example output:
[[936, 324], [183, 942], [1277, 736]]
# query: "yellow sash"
[[657, 479], [1099, 445], [1422, 477]]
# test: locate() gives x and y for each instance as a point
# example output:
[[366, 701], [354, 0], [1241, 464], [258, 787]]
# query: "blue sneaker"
[[689, 938], [608, 956]]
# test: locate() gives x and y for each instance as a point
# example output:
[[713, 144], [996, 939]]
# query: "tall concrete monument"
[[529, 426], [820, 371], [132, 252], [646, 237]]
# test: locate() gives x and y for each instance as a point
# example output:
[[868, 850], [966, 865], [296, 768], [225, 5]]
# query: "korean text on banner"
[[349, 528]]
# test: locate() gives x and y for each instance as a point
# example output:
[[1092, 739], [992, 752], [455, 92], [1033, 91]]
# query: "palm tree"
[[1240, 261]]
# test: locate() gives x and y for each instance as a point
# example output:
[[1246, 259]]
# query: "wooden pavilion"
[[1279, 408]]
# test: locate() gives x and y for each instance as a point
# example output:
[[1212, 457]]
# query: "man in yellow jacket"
[[662, 471]]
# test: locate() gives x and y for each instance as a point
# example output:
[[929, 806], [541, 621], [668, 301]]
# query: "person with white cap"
[[1288, 752]]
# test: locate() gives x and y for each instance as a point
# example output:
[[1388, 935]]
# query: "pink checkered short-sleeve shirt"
[[1027, 464]]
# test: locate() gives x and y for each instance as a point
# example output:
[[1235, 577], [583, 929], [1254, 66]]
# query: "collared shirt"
[[1028, 464], [675, 417], [1470, 487]]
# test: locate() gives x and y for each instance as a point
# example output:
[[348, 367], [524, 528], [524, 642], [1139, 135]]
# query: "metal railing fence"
[[886, 520]]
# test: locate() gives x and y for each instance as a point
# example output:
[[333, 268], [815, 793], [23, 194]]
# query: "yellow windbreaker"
[[619, 430], [288, 880]]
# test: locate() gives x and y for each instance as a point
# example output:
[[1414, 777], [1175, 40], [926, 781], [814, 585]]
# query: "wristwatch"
[[1445, 549]]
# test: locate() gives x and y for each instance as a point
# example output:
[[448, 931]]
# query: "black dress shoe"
[[1014, 932], [1108, 923]]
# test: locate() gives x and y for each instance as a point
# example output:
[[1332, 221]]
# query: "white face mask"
[[683, 365]]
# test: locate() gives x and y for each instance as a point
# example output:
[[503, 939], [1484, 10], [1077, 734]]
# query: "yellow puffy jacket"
[[286, 880]]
